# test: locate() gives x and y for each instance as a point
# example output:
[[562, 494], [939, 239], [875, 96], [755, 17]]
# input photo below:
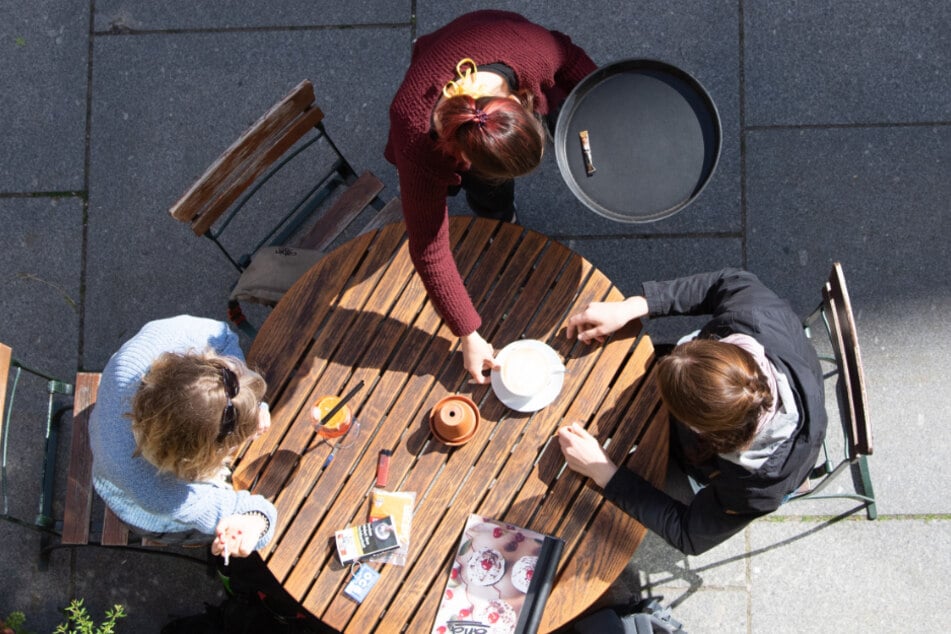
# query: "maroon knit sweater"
[[545, 62]]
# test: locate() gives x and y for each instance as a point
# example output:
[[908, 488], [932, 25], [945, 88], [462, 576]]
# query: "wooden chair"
[[79, 526], [287, 249], [835, 312]]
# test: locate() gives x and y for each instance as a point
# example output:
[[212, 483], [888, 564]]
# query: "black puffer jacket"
[[738, 303]]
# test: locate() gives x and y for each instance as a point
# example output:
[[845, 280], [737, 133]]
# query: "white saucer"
[[545, 396]]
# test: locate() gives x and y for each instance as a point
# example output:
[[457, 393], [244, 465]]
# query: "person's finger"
[[577, 321], [477, 377], [571, 330], [578, 430], [597, 334]]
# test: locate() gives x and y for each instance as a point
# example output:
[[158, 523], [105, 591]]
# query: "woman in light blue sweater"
[[174, 404]]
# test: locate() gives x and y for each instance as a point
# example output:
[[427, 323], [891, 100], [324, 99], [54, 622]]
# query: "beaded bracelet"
[[267, 522]]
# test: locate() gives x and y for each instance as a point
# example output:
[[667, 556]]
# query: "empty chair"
[[335, 199], [838, 323]]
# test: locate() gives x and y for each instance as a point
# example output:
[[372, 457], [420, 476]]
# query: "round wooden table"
[[361, 313]]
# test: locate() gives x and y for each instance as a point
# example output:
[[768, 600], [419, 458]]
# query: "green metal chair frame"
[[10, 372], [835, 313], [52, 531]]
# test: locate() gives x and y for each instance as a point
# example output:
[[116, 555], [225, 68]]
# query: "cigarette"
[[586, 152], [225, 553]]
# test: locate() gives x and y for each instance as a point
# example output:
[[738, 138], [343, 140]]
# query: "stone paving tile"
[[660, 565], [43, 130], [142, 15], [873, 199], [706, 593], [162, 113], [852, 576], [721, 611], [154, 589], [41, 260], [39, 594], [610, 31], [846, 62]]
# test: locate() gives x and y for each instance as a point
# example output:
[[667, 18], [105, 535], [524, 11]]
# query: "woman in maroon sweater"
[[469, 115]]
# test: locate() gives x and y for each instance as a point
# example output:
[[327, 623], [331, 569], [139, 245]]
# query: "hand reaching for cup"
[[477, 356], [238, 535], [600, 319], [584, 454]]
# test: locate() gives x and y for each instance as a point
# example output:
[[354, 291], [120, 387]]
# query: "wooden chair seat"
[[77, 511]]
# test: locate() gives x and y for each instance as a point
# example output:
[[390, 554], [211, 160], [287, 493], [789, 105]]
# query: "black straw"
[[343, 401]]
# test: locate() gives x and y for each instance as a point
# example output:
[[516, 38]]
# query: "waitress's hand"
[[584, 454], [477, 356], [240, 533], [600, 319]]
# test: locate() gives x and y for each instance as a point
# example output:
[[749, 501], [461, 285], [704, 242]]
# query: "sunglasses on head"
[[229, 418]]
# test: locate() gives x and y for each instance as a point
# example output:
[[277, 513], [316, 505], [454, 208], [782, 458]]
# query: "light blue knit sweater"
[[132, 487]]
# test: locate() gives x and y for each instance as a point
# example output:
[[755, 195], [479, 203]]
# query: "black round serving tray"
[[655, 140]]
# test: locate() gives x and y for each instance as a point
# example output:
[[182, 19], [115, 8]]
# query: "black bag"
[[256, 603], [647, 616]]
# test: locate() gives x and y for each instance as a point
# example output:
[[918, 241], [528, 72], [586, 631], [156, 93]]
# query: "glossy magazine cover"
[[500, 579]]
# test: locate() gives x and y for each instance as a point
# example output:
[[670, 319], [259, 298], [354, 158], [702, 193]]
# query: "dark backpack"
[[256, 603], [647, 616]]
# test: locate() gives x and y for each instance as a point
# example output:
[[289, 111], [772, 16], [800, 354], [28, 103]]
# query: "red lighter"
[[383, 467]]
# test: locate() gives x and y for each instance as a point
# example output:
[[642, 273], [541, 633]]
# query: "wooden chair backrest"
[[247, 158], [838, 310]]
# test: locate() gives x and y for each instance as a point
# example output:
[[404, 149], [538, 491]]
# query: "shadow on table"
[[396, 346]]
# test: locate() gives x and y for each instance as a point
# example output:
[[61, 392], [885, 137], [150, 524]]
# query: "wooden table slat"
[[506, 435], [263, 459], [370, 320], [300, 579], [359, 311]]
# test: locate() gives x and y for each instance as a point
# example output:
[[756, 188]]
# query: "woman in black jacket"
[[746, 400]]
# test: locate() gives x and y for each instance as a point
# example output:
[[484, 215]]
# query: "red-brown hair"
[[499, 137], [718, 390]]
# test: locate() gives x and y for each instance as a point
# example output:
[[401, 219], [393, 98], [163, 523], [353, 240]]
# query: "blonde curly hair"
[[178, 412]]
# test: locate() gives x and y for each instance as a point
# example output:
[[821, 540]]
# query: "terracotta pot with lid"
[[454, 420]]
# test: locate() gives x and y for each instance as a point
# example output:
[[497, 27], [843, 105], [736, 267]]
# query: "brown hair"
[[499, 137], [178, 410], [718, 390]]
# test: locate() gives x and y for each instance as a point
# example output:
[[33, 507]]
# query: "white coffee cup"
[[525, 371]]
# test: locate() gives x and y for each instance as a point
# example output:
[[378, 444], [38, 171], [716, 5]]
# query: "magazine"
[[500, 580]]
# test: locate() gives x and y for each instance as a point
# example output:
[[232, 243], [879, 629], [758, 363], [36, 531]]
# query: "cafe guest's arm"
[[600, 319], [690, 528]]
